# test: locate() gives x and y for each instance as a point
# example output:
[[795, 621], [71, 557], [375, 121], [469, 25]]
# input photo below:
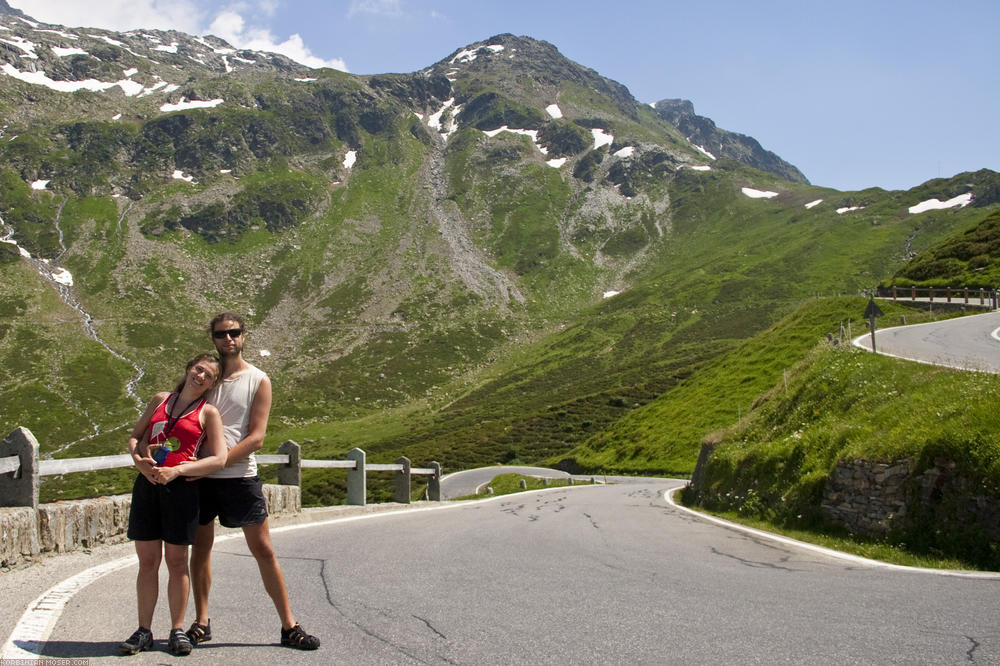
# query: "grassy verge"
[[508, 484], [839, 405], [834, 539]]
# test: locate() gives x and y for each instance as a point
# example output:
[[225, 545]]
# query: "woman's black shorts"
[[169, 512]]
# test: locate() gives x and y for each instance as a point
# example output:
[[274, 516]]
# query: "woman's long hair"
[[210, 358]]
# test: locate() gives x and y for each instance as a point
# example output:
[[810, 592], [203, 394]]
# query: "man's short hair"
[[226, 316]]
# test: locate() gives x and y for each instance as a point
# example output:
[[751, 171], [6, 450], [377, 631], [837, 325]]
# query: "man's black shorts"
[[167, 512], [237, 502]]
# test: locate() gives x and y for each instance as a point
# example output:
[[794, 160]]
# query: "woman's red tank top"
[[182, 436]]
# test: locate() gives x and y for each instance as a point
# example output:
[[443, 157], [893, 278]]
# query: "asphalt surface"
[[474, 481], [967, 343], [595, 574]]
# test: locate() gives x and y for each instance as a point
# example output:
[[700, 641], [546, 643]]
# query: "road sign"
[[872, 312]]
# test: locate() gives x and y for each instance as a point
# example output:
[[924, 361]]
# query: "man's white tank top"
[[233, 398]]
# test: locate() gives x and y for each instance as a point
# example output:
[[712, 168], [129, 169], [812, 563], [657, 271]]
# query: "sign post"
[[872, 312]]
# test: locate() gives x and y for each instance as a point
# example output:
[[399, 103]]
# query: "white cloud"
[[231, 27], [269, 7], [388, 8], [120, 15]]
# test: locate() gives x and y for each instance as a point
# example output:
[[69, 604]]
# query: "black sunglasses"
[[233, 333]]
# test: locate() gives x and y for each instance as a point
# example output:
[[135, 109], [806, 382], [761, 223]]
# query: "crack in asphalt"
[[430, 626], [343, 613], [970, 655], [753, 563]]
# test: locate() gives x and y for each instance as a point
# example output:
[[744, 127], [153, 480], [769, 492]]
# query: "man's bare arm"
[[260, 410]]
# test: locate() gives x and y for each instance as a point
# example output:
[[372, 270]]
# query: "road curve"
[[468, 482], [965, 343], [471, 481], [596, 574]]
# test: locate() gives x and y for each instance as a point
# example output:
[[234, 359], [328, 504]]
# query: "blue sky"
[[855, 93]]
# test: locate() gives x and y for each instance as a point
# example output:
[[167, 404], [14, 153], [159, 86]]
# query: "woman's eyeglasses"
[[233, 333]]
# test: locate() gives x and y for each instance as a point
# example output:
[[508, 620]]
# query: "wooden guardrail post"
[[401, 485], [434, 483], [290, 473], [20, 487], [356, 478]]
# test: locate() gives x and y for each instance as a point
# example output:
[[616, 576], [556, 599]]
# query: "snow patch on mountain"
[[602, 137], [186, 104], [24, 45], [758, 194], [962, 200], [468, 55], [63, 52], [703, 151]]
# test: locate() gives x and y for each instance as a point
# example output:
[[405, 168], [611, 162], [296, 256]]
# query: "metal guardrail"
[[20, 469], [975, 296]]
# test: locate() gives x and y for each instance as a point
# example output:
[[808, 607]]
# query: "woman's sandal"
[[200, 633]]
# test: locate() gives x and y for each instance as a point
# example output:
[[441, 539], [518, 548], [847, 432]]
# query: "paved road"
[[472, 481], [587, 575], [968, 343]]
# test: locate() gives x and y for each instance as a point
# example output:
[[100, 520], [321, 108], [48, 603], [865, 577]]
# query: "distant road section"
[[966, 343], [470, 481], [463, 484]]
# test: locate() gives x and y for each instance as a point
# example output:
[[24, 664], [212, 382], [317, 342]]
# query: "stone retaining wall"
[[66, 526], [866, 497], [874, 498]]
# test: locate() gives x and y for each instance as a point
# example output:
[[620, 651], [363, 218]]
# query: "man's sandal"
[[200, 633], [296, 637]]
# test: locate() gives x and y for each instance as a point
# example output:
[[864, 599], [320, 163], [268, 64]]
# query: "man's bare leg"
[[201, 570], [259, 542]]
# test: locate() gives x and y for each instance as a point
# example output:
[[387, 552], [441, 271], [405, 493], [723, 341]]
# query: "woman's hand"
[[146, 467], [164, 475]]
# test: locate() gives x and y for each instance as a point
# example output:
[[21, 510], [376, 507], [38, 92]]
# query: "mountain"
[[501, 257], [702, 132]]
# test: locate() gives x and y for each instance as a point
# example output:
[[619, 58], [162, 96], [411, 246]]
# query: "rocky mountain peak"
[[7, 9], [703, 132], [506, 61]]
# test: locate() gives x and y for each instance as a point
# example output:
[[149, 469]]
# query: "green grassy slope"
[[838, 403]]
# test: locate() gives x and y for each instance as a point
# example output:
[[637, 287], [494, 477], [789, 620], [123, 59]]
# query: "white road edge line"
[[668, 496]]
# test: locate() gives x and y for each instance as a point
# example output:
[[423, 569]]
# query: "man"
[[234, 494]]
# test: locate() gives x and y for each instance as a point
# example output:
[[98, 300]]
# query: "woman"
[[166, 443]]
